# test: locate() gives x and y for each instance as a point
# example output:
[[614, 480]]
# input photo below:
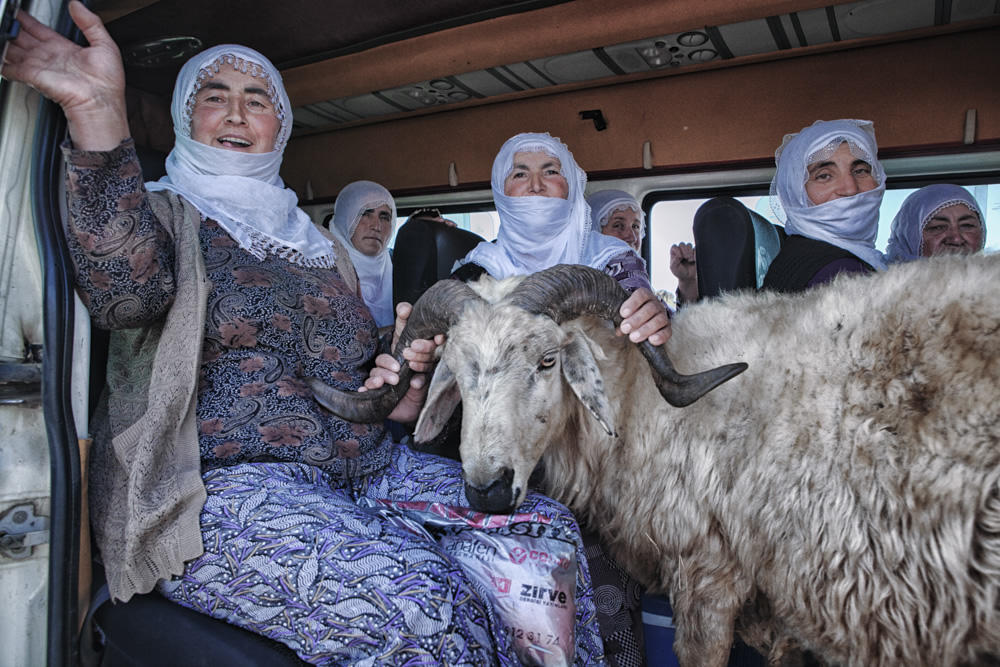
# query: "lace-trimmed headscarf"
[[374, 272], [241, 191], [906, 238], [605, 202], [539, 232], [850, 223]]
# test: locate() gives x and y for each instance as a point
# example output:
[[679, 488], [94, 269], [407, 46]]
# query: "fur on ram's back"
[[842, 495]]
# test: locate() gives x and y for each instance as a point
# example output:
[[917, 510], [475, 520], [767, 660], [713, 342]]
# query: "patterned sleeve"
[[629, 270], [124, 257]]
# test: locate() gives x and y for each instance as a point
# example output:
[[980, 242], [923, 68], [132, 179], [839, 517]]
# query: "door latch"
[[21, 531]]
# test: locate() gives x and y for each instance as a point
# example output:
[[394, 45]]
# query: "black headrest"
[[425, 251], [733, 246]]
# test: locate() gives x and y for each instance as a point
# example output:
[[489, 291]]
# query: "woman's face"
[[232, 111], [536, 174], [624, 224], [372, 232], [840, 175], [955, 229]]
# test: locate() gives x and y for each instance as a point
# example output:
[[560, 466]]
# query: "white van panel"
[[24, 450]]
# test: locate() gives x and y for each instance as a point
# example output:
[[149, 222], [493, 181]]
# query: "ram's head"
[[516, 370]]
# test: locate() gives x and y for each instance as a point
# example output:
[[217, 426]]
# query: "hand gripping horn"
[[565, 292], [433, 313]]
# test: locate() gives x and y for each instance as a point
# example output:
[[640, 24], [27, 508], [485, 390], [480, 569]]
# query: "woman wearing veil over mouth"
[[827, 189], [545, 220]]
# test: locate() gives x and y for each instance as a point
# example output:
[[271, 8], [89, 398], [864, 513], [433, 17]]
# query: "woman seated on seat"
[[216, 477], [538, 190], [828, 188], [937, 219], [617, 213], [364, 217]]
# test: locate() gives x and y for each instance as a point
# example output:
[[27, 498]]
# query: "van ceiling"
[[319, 45], [290, 33]]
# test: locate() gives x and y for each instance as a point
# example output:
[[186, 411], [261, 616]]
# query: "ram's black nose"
[[497, 498]]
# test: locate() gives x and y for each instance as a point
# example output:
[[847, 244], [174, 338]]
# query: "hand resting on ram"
[[841, 496]]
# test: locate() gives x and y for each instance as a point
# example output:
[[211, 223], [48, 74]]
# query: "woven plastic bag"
[[516, 561]]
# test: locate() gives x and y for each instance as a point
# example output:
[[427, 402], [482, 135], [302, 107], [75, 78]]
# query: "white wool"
[[842, 495]]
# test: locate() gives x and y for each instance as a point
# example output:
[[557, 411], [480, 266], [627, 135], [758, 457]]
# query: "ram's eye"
[[548, 361]]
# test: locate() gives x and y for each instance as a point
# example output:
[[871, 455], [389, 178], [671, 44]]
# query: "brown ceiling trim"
[[109, 10], [919, 33], [563, 28], [889, 153]]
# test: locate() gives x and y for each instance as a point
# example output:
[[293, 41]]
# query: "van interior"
[[679, 103]]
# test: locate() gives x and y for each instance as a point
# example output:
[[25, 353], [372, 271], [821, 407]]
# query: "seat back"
[[424, 253], [733, 246]]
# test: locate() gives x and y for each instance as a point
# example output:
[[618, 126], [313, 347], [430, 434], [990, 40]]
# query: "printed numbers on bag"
[[543, 638]]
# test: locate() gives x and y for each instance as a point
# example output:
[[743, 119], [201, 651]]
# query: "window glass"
[[670, 222], [484, 223]]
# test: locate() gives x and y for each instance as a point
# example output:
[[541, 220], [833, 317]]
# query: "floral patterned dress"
[[305, 539]]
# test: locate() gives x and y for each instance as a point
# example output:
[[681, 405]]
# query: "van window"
[[484, 223], [670, 222]]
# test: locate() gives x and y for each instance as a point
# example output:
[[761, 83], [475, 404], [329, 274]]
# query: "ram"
[[841, 496]]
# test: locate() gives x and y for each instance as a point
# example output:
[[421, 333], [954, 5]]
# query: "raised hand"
[[682, 261], [684, 265], [88, 82]]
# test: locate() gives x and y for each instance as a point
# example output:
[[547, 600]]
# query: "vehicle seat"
[[733, 246], [425, 251], [150, 630]]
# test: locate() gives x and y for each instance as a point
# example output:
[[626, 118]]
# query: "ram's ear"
[[580, 369], [442, 399]]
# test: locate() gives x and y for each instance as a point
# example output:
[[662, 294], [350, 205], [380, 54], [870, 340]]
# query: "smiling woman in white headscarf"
[[827, 188], [223, 300], [240, 188], [545, 220], [616, 213], [364, 217], [936, 219]]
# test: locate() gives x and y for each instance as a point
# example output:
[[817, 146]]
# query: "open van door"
[[40, 488]]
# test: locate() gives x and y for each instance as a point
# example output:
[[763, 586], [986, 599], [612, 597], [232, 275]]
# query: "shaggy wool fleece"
[[841, 496]]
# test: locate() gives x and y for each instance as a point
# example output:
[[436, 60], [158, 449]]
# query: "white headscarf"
[[850, 223], [241, 191], [375, 273], [539, 232], [906, 238], [605, 202]]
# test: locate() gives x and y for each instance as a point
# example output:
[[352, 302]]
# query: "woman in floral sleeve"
[[216, 478]]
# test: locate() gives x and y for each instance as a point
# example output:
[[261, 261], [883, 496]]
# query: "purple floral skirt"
[[334, 569]]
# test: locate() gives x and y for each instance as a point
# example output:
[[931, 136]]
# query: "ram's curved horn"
[[433, 313], [565, 292]]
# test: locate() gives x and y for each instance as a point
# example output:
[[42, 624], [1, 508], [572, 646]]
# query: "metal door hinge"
[[21, 531], [21, 383]]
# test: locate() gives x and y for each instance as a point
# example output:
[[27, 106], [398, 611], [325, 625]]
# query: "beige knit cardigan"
[[146, 492]]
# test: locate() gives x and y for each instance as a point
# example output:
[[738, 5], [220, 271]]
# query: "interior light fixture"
[[161, 52]]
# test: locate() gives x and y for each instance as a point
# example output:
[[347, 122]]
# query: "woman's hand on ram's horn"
[[645, 318], [420, 357]]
